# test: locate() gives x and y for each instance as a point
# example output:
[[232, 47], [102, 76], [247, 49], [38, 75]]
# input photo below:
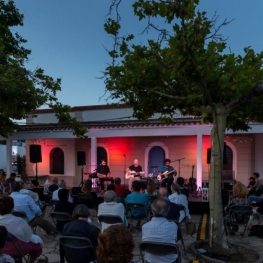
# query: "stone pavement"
[[53, 255]]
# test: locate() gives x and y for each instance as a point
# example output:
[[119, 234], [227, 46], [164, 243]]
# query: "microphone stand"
[[124, 170], [179, 160]]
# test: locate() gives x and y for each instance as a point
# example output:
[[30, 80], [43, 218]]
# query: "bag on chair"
[[190, 228]]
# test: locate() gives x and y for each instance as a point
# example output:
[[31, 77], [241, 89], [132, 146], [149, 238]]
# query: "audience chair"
[[76, 249], [151, 198], [136, 211], [24, 216], [238, 215], [62, 217], [52, 203], [179, 233], [110, 219], [11, 239], [159, 249], [87, 200]]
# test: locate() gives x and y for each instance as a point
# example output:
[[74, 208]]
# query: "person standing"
[[168, 171], [133, 173], [103, 171]]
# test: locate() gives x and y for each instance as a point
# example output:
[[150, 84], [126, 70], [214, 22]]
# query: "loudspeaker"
[[81, 158], [208, 156], [35, 153]]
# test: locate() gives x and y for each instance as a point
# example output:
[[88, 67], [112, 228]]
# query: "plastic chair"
[[11, 238], [76, 249], [159, 249], [238, 215], [109, 219], [87, 200], [24, 216], [60, 217]]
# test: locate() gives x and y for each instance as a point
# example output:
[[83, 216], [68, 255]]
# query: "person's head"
[[115, 245], [167, 162], [62, 184], [136, 186], [176, 188], [162, 192], [109, 196], [252, 179], [80, 211], [240, 190], [103, 162], [117, 180], [3, 236], [160, 207], [136, 162], [63, 195], [256, 175], [180, 181], [88, 185], [111, 187], [151, 186], [54, 180], [2, 172], [15, 187], [6, 205], [13, 175]]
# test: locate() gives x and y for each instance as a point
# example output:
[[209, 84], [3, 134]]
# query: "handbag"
[[190, 228]]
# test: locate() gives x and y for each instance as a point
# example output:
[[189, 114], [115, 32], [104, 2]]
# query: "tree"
[[186, 67], [22, 90]]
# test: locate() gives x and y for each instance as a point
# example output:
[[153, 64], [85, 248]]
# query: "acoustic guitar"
[[132, 174]]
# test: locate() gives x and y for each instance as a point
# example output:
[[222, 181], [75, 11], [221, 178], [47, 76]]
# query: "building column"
[[9, 169], [199, 168], [93, 154]]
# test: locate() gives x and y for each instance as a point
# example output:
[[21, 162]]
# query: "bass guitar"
[[132, 174], [164, 175]]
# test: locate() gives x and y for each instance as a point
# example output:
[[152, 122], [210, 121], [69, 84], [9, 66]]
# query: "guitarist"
[[130, 171], [167, 182]]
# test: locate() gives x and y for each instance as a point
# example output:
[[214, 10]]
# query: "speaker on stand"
[[81, 161], [35, 156]]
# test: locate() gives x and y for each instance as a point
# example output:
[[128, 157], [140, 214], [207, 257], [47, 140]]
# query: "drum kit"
[[154, 174]]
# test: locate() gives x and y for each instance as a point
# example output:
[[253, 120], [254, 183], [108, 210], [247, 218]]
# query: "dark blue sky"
[[67, 39]]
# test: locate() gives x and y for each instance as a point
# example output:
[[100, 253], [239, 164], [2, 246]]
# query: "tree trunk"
[[215, 185]]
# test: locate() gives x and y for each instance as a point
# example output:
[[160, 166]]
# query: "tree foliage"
[[22, 90], [186, 67]]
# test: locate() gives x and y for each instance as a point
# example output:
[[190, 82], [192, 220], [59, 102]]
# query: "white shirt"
[[55, 196]]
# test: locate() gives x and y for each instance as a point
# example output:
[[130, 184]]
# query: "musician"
[[133, 173], [168, 181], [103, 171]]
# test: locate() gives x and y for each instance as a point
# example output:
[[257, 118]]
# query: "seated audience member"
[[8, 182], [111, 207], [25, 178], [33, 195], [63, 206], [4, 258], [26, 241], [62, 185], [121, 251], [151, 188], [179, 199], [159, 229], [240, 193], [257, 188], [174, 211], [111, 187], [54, 185], [120, 189], [80, 228], [25, 203], [137, 196], [2, 176], [87, 189], [184, 190]]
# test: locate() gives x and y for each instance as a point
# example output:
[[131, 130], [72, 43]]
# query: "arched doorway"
[[101, 155], [156, 159], [228, 164], [56, 159]]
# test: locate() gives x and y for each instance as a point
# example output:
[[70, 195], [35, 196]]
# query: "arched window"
[[56, 161], [156, 159], [228, 162], [101, 155]]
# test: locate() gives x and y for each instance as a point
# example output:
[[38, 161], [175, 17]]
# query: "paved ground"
[[53, 256]]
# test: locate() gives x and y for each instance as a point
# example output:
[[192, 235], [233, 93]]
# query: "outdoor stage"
[[196, 206]]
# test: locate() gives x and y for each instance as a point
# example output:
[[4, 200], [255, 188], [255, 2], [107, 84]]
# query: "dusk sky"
[[68, 40]]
